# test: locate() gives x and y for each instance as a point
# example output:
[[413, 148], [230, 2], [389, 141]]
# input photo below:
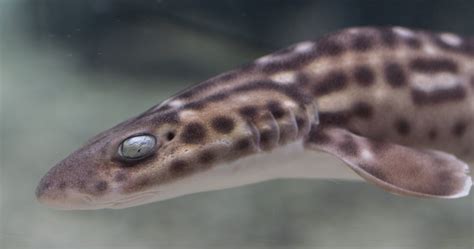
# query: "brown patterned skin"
[[395, 168], [407, 87]]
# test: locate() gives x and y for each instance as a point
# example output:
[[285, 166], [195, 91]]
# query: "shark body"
[[395, 105]]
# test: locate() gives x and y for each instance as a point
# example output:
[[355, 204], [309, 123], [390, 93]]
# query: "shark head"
[[169, 150]]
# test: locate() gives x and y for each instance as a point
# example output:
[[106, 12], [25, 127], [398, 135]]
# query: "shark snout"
[[70, 185], [57, 195], [55, 191]]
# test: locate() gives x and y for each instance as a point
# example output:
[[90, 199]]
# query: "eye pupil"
[[137, 147]]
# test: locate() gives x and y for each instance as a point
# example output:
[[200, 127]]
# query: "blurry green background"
[[70, 69]]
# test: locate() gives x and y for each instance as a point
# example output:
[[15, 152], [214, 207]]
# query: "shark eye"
[[137, 147]]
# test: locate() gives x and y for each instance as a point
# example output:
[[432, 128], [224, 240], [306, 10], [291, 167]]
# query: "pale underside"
[[288, 161], [292, 160]]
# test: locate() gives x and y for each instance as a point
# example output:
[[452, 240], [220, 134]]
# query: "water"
[[72, 69]]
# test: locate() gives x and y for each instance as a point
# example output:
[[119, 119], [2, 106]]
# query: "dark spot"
[[223, 124], [459, 128], [340, 118], [188, 93], [170, 135], [349, 146], [300, 122], [362, 43], [276, 109], [395, 75], [266, 136], [62, 185], [413, 42], [362, 110], [388, 37], [287, 62], [329, 47], [364, 75], [120, 177], [193, 133], [207, 157], [287, 59], [243, 144], [377, 145], [165, 108], [434, 65], [318, 136], [217, 97], [179, 167], [249, 112], [141, 183], [288, 132], [402, 126], [197, 105], [432, 134], [334, 81], [101, 186], [438, 96], [170, 117], [302, 79]]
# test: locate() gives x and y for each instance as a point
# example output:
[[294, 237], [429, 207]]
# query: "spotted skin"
[[415, 172], [368, 96]]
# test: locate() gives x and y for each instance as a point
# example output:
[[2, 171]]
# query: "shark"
[[393, 106]]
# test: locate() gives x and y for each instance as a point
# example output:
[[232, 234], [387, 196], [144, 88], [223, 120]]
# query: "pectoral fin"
[[396, 168]]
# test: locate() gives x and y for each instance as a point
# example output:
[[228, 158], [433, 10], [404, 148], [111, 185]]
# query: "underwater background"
[[70, 69]]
